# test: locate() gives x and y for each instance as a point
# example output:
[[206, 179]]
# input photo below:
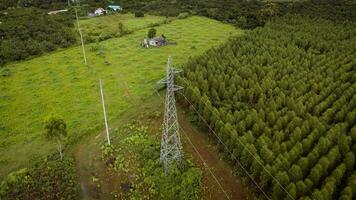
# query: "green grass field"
[[59, 83], [109, 25]]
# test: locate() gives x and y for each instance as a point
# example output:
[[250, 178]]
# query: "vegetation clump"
[[139, 14], [123, 30], [48, 178], [56, 130], [183, 15], [151, 33], [138, 163]]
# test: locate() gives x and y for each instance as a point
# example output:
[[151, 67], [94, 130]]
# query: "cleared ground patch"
[[61, 84]]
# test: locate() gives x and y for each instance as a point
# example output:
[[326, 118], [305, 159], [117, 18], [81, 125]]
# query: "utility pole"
[[171, 147], [105, 119], [81, 36]]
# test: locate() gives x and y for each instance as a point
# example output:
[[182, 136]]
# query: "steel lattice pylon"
[[171, 147]]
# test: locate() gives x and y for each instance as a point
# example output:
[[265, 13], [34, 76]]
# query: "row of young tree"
[[283, 100], [246, 13]]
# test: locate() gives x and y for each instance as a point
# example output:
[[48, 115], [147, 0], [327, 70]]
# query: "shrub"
[[5, 72], [123, 30], [104, 36], [139, 14], [183, 15], [46, 179], [89, 39], [95, 47], [151, 25], [151, 33], [56, 130]]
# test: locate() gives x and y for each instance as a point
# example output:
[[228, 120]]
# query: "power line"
[[234, 157], [202, 159], [269, 173]]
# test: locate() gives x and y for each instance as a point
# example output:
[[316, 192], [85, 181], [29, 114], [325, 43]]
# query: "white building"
[[100, 11], [157, 42]]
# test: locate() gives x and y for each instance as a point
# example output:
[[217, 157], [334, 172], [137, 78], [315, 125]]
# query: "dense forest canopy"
[[283, 100], [27, 32]]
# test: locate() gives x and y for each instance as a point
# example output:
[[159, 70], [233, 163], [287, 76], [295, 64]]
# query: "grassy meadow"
[[60, 84], [108, 26]]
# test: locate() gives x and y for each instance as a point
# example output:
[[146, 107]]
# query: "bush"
[[151, 33], [47, 179], [151, 25], [123, 30], [104, 36], [89, 39], [136, 142], [139, 14], [95, 47], [183, 15], [5, 72]]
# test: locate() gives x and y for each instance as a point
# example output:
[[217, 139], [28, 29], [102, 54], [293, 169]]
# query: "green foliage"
[[5, 72], [108, 154], [139, 156], [183, 15], [117, 25], [290, 109], [46, 179], [29, 32], [151, 33], [139, 14], [56, 128], [248, 14], [122, 29]]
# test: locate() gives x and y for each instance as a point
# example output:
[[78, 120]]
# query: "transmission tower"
[[171, 147]]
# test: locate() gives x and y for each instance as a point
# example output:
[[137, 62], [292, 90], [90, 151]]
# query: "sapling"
[[56, 130]]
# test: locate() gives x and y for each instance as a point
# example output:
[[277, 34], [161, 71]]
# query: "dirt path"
[[88, 165], [234, 188]]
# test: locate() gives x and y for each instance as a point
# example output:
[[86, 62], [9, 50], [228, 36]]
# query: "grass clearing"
[[108, 26], [60, 83]]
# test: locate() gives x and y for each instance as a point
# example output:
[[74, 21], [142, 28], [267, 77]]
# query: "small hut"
[[157, 42]]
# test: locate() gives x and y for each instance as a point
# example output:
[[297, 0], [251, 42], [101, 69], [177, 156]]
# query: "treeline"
[[244, 13], [247, 14], [283, 100], [27, 32], [42, 4]]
